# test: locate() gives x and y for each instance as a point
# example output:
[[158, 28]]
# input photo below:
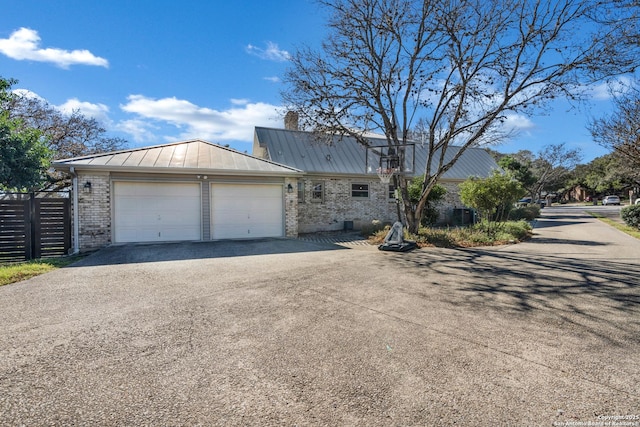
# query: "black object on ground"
[[394, 241]]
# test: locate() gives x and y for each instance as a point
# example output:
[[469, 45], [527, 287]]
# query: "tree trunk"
[[417, 214], [413, 221], [413, 213]]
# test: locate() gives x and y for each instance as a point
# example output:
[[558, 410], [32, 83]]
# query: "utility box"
[[462, 216]]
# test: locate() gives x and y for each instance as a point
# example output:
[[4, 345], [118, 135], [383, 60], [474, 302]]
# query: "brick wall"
[[94, 211], [338, 205], [328, 214], [291, 208], [450, 201]]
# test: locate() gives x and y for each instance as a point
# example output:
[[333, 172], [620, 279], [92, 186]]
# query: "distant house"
[[198, 191], [338, 188], [577, 193]]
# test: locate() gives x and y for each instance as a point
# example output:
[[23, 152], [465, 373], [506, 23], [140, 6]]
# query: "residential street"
[[292, 332]]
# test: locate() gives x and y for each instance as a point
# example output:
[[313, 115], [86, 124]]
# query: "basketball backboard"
[[397, 158]]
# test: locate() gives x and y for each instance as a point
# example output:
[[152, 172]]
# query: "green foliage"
[[476, 235], [631, 215], [605, 174], [527, 213], [11, 273], [483, 234], [488, 195], [415, 191], [24, 156], [5, 90], [520, 170], [435, 196], [36, 125], [518, 230]]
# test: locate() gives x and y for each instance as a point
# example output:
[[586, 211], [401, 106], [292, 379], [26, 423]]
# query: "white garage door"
[[156, 212], [246, 211]]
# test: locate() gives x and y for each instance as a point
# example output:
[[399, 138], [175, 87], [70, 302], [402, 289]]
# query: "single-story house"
[[340, 185], [198, 191]]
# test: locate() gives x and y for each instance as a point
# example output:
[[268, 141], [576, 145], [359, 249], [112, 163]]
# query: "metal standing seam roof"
[[345, 156], [185, 156]]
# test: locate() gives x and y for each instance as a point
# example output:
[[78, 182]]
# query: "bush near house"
[[493, 197], [471, 236], [631, 215], [527, 213]]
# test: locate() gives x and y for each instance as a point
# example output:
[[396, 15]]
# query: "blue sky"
[[161, 71]]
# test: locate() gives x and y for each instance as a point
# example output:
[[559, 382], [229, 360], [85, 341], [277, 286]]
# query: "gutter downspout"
[[76, 225]]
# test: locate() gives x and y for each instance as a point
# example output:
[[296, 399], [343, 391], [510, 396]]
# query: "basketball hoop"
[[385, 174]]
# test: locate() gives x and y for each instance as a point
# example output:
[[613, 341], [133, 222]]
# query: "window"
[[360, 191], [392, 192], [300, 191], [317, 192]]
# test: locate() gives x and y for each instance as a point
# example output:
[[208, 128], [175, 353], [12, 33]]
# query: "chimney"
[[291, 120]]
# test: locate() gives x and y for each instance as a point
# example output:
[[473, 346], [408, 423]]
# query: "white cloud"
[[271, 53], [140, 130], [26, 93], [517, 123], [273, 79], [156, 120], [23, 44], [604, 91], [234, 124], [99, 111]]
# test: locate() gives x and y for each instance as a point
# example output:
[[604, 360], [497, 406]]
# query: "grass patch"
[[464, 237], [631, 231], [16, 272]]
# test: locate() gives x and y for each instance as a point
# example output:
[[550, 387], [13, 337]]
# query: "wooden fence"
[[34, 227]]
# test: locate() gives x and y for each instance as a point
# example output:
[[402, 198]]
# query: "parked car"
[[611, 200]]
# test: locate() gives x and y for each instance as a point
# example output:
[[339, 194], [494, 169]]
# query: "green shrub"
[[517, 230], [429, 216], [430, 213], [499, 232], [475, 235], [527, 213], [631, 215], [439, 237]]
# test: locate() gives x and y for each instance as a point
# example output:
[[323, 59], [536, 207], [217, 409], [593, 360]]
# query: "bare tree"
[[620, 131], [69, 135], [552, 165], [458, 67]]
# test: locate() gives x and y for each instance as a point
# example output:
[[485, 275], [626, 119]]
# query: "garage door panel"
[[246, 211], [136, 234], [146, 212]]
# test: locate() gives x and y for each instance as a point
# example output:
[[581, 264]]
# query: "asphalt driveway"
[[290, 332]]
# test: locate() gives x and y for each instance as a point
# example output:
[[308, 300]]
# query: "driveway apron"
[[291, 332]]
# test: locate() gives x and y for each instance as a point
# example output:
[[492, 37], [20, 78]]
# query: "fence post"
[[28, 230], [33, 221]]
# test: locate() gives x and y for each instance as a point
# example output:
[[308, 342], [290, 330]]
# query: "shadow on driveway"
[[158, 252], [568, 290]]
